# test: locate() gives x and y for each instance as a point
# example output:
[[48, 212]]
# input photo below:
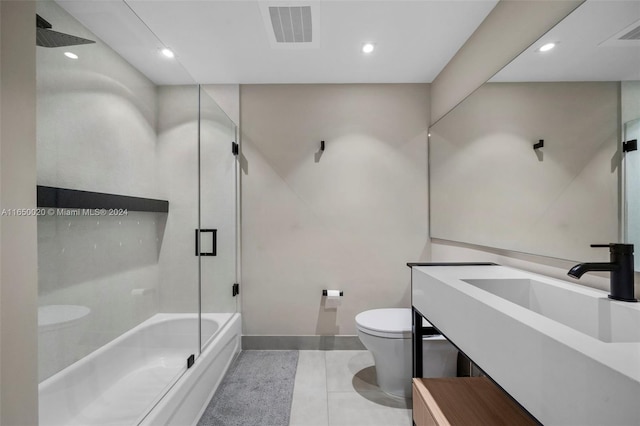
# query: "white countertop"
[[586, 372]]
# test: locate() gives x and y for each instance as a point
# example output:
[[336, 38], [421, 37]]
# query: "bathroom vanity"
[[464, 401], [567, 353]]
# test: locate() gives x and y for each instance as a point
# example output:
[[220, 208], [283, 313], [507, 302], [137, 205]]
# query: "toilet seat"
[[391, 323]]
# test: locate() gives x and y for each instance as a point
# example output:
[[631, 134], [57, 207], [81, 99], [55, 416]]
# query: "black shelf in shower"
[[63, 198]]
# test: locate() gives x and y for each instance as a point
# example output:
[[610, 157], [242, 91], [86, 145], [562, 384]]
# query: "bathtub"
[[132, 379]]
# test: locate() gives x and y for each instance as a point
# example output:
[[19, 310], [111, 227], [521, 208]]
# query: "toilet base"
[[393, 361]]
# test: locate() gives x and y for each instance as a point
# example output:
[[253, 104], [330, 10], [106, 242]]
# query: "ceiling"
[[232, 42], [587, 47]]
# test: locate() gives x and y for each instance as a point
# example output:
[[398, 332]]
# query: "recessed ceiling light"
[[547, 47], [70, 55], [368, 47], [168, 53]]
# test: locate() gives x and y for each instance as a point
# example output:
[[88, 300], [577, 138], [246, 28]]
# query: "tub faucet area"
[[620, 266]]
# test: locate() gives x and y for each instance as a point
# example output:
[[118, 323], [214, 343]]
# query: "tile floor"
[[338, 388]]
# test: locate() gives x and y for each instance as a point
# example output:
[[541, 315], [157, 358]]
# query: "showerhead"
[[46, 37]]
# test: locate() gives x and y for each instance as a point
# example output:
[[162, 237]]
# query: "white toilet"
[[386, 333]]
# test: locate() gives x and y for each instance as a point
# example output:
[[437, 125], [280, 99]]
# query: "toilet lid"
[[393, 323]]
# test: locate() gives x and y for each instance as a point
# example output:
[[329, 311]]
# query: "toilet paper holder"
[[324, 292]]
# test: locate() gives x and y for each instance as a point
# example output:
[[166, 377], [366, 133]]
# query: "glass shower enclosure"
[[137, 230], [632, 186]]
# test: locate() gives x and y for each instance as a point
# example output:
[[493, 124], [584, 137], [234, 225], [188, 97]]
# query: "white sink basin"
[[591, 313], [565, 352]]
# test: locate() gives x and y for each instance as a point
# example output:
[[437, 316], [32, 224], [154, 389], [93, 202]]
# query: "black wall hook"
[[629, 146], [538, 145], [321, 145]]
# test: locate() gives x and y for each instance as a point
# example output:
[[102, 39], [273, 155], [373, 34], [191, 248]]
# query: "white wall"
[[18, 273], [348, 218]]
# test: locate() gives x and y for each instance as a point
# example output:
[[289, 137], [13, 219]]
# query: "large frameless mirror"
[[532, 160]]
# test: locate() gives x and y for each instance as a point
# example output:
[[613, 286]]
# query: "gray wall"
[[349, 218], [18, 273]]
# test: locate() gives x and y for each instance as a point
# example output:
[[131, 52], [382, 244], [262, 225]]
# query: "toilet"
[[386, 333]]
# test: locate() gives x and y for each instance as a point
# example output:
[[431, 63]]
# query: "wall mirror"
[[488, 184]]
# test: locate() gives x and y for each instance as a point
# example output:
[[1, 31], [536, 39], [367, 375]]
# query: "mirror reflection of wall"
[[491, 188]]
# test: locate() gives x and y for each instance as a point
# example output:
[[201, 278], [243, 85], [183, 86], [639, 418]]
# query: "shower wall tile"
[[97, 263], [96, 117], [177, 156]]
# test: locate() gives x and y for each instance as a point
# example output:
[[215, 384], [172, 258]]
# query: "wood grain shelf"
[[465, 401]]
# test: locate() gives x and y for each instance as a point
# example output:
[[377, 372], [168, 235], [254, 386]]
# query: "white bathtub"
[[131, 380]]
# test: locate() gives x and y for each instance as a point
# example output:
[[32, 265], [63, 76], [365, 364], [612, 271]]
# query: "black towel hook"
[[538, 145]]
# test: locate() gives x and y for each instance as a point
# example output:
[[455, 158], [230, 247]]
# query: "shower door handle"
[[199, 233]]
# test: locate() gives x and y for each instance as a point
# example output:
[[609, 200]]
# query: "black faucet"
[[621, 268]]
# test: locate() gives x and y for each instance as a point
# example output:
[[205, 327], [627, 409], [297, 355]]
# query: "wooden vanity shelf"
[[464, 401]]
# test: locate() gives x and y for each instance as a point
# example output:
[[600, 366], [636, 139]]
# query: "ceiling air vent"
[[292, 24], [629, 36], [634, 34], [291, 27]]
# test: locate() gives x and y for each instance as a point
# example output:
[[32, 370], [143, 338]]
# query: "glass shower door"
[[632, 189], [218, 228], [117, 184]]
